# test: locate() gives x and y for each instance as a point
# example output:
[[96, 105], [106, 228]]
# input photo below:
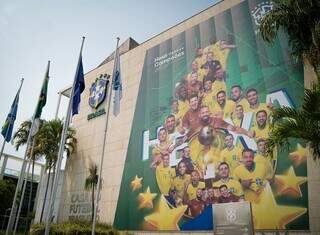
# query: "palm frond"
[[92, 180]]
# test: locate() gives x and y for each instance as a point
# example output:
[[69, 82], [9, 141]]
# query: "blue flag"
[[78, 88], [117, 85], [7, 127]]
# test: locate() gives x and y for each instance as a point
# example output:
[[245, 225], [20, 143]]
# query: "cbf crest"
[[98, 91]]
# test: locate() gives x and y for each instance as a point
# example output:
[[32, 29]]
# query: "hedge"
[[75, 228]]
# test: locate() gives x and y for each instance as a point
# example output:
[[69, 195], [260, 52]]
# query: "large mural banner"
[[200, 127]]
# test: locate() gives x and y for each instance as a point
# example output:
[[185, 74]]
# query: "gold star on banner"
[[300, 155], [145, 199], [269, 215], [165, 218], [290, 183], [136, 183]]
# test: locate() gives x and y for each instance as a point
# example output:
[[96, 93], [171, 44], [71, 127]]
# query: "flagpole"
[[23, 190], [7, 132], [58, 105], [22, 173], [104, 142], [61, 149], [21, 199]]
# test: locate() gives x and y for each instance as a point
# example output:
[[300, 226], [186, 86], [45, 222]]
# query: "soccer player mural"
[[219, 83]]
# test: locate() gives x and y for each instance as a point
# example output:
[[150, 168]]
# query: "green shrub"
[[75, 228]]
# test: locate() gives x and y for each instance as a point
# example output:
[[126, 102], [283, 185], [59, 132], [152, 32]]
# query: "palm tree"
[[301, 21], [91, 183], [19, 139], [49, 137]]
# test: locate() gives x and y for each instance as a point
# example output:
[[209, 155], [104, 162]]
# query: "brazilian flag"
[[7, 127], [43, 94]]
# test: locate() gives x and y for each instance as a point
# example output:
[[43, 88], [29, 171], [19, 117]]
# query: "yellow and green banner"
[[201, 120]]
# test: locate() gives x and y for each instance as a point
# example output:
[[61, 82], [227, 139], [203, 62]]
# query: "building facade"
[[220, 45]]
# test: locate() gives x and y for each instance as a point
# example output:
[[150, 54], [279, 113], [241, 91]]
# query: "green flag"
[[43, 94]]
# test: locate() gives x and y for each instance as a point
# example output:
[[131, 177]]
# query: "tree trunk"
[[45, 196], [52, 181], [92, 203]]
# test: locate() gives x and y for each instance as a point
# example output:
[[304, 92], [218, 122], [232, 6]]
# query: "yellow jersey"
[[206, 157], [218, 86], [161, 147], [261, 133], [180, 183], [178, 118], [192, 191], [183, 107], [266, 163], [261, 106], [232, 157], [258, 175], [233, 186], [237, 122], [227, 109], [245, 104], [201, 75], [208, 98], [165, 176], [200, 60], [218, 53]]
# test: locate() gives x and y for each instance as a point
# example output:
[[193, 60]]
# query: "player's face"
[[224, 191], [205, 115], [182, 168], [224, 171], [239, 112], [252, 97], [165, 160], [262, 146], [175, 106], [210, 56], [186, 151], [247, 158], [183, 92], [216, 192], [195, 177], [204, 112], [235, 93], [228, 141], [261, 118], [194, 103], [194, 78], [221, 98], [199, 193], [199, 52], [162, 135], [208, 85], [170, 124], [210, 193], [219, 74], [194, 66]]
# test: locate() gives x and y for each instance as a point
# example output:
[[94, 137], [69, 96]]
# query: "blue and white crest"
[[98, 91]]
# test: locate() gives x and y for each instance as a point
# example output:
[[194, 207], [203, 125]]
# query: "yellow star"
[[136, 183], [290, 183], [269, 215], [145, 199], [165, 218], [300, 155]]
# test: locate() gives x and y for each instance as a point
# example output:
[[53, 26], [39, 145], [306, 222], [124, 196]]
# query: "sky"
[[33, 32]]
